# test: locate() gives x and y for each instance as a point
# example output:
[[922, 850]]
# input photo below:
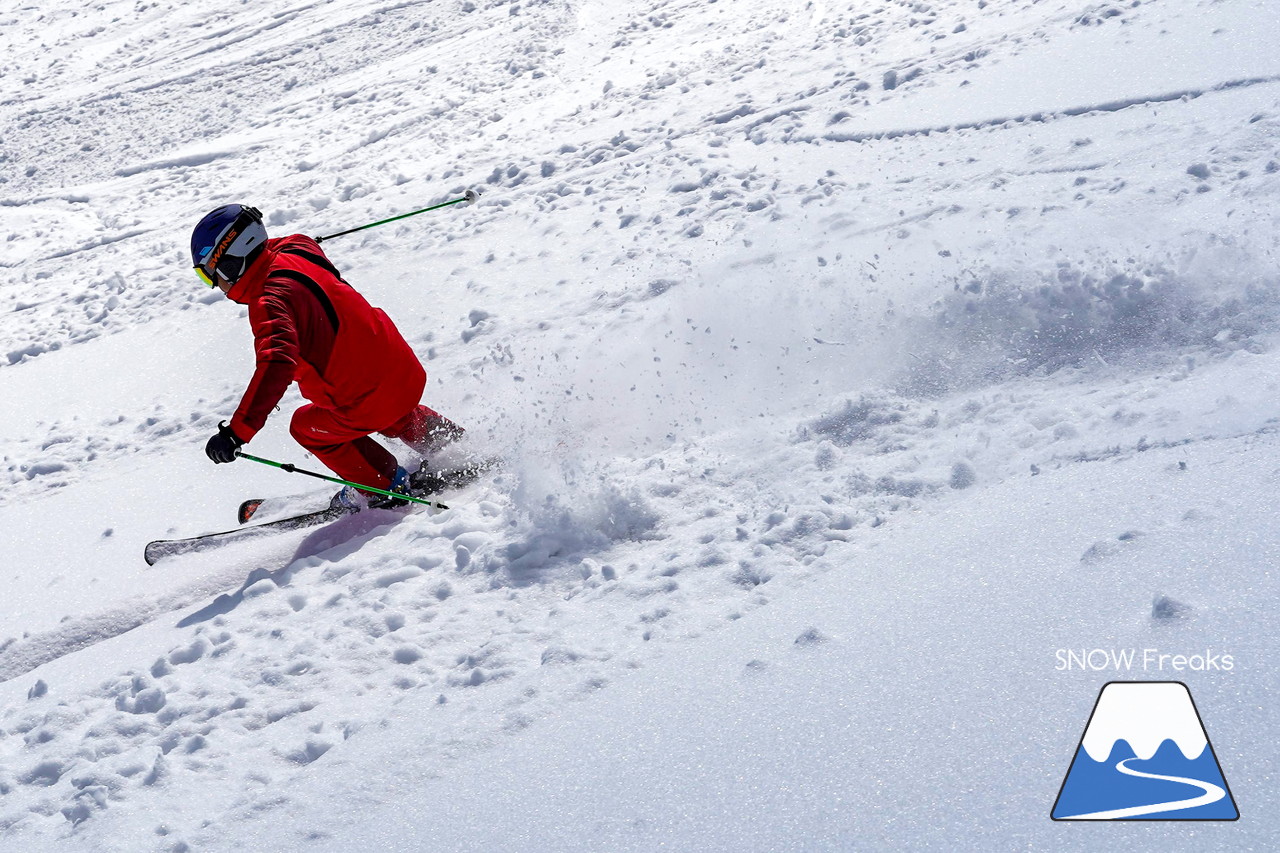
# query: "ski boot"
[[353, 500]]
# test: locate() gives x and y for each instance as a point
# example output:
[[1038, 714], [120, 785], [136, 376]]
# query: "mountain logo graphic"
[[1145, 755]]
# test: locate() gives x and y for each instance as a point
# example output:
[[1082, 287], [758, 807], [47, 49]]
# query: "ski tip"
[[247, 509]]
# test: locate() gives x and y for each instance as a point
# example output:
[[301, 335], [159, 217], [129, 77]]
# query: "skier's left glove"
[[223, 446]]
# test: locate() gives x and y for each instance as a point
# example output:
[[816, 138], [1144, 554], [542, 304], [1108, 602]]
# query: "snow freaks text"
[[1145, 660]]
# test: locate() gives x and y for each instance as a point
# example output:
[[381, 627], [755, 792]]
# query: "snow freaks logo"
[[1145, 755]]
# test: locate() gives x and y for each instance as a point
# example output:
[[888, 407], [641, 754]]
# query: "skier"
[[348, 358]]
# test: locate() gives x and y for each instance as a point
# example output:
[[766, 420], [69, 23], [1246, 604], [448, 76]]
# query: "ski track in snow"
[[721, 345]]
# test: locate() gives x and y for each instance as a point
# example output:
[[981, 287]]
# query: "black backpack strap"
[[316, 290], [317, 259]]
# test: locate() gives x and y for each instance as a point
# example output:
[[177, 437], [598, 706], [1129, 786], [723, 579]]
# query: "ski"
[[425, 484], [161, 548], [429, 483]]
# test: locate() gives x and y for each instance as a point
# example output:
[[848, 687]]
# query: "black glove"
[[223, 446]]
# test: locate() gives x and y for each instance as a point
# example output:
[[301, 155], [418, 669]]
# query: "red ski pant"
[[340, 439]]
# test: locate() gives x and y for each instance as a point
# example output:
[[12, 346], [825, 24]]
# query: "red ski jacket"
[[311, 326]]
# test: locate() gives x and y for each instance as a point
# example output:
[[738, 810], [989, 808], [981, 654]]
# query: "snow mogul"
[[348, 358]]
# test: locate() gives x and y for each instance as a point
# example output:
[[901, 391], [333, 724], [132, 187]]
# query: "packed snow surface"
[[863, 373]]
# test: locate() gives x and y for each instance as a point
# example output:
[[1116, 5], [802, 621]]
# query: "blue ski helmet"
[[226, 243]]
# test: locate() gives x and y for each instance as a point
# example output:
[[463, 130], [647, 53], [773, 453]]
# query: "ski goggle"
[[207, 267]]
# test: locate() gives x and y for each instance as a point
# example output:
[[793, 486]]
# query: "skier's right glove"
[[223, 446]]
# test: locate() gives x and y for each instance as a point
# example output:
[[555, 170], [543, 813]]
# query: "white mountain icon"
[[1144, 713]]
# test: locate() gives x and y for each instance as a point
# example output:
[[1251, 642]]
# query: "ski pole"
[[294, 469], [469, 198]]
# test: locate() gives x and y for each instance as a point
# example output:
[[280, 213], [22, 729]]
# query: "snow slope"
[[850, 360]]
